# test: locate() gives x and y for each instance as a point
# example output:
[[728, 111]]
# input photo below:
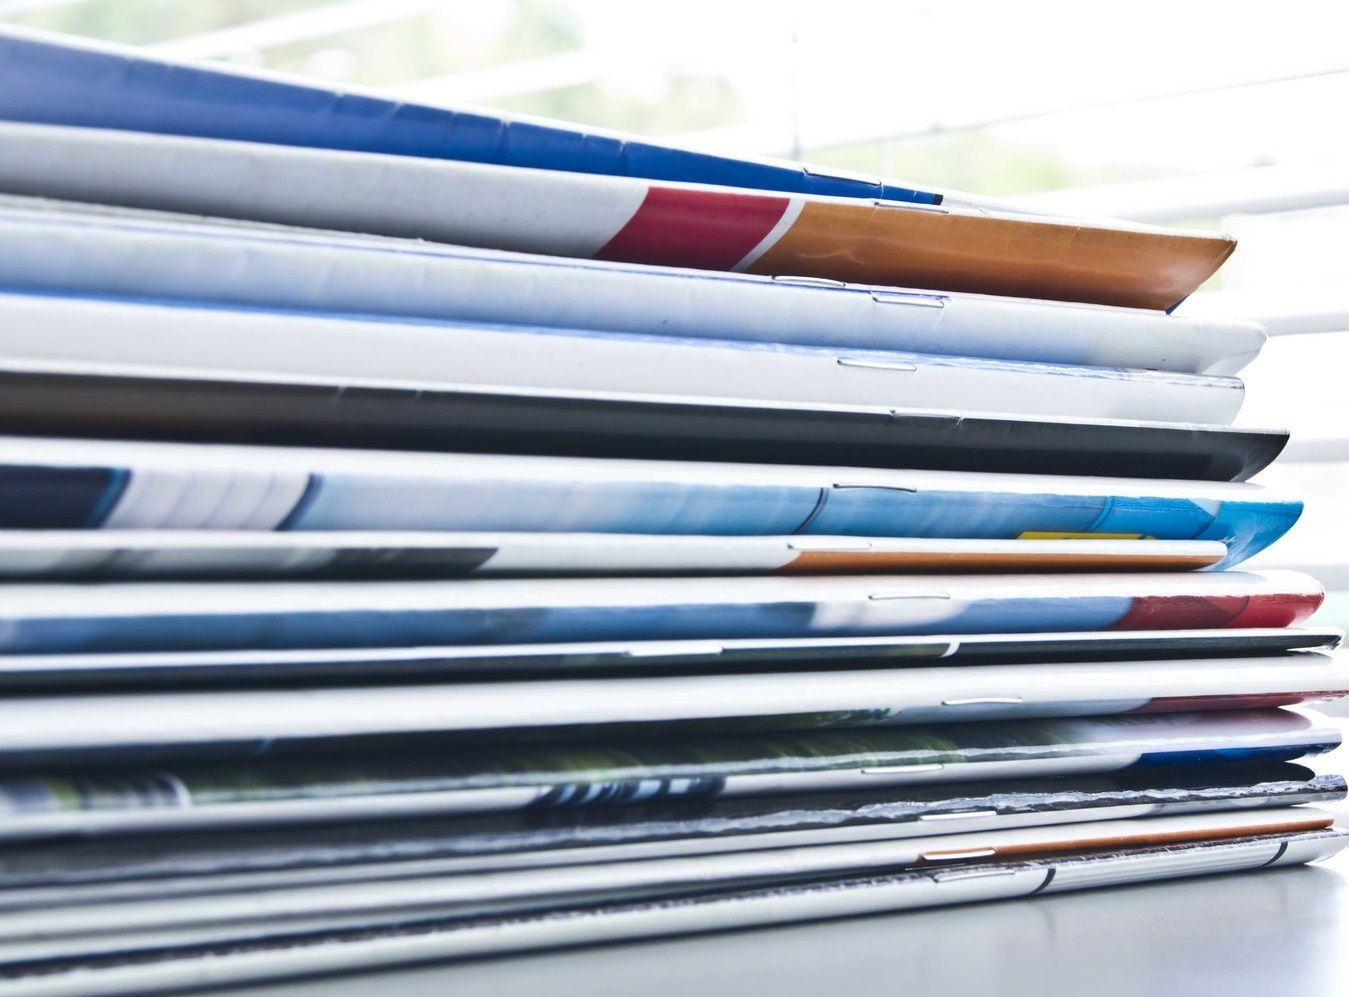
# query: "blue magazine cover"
[[56, 80], [73, 484]]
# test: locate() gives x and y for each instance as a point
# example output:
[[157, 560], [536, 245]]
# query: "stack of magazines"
[[428, 535]]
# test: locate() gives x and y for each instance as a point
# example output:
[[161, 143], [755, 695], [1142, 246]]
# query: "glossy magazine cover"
[[242, 956], [91, 554], [60, 248], [163, 616], [69, 398], [98, 851], [122, 335], [658, 704], [53, 930], [433, 940], [623, 219], [73, 484], [63, 80], [412, 774], [188, 669]]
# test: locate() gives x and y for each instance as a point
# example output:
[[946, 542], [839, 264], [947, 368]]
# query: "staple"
[[807, 281], [887, 596], [870, 181], [829, 547], [952, 874], [960, 855], [984, 701], [959, 815], [884, 297], [916, 206], [900, 365], [659, 649], [884, 488], [904, 769]]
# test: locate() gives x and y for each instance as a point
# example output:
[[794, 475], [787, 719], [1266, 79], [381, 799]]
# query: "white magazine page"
[[666, 918], [193, 553], [194, 261], [105, 927], [796, 700], [127, 338]]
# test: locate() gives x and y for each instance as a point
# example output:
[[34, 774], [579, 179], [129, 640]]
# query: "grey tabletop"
[[1283, 931]]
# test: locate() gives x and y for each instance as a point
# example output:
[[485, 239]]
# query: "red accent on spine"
[[1282, 610], [703, 229], [1184, 612], [1181, 612], [1234, 701]]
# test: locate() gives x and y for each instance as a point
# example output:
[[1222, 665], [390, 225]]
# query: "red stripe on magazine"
[[703, 229], [1279, 610], [1184, 612], [1234, 701]]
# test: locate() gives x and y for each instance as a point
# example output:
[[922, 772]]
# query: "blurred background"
[[1171, 113]]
